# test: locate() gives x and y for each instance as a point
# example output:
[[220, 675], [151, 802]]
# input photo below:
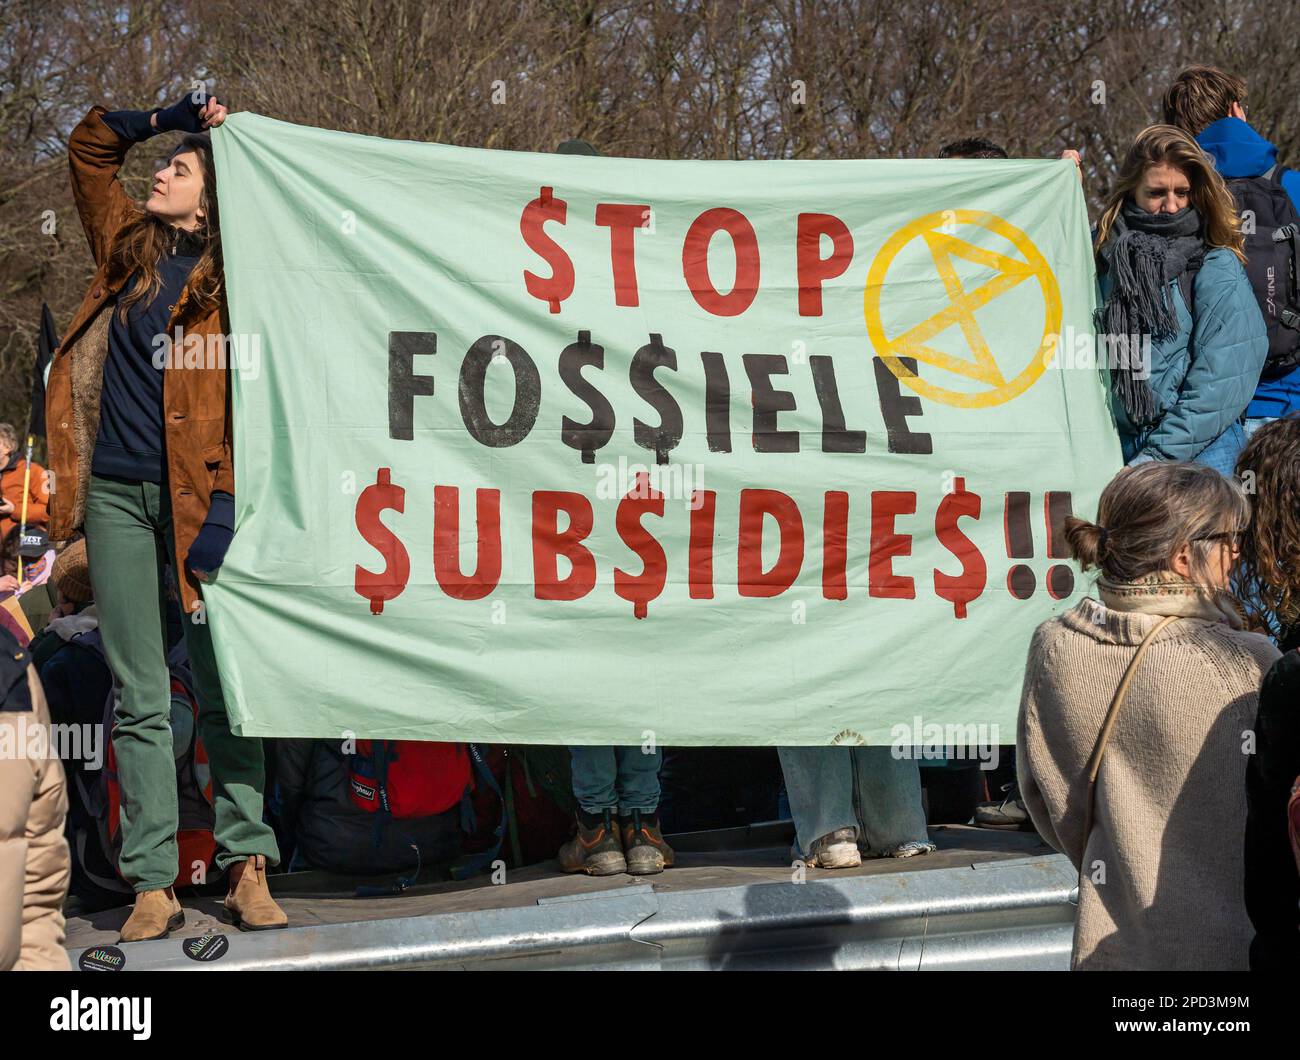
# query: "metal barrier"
[[1011, 914]]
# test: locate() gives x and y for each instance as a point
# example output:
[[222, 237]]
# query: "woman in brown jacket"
[[138, 424]]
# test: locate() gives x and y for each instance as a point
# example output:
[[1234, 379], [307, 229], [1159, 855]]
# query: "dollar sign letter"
[[375, 498], [559, 285], [641, 588], [960, 589]]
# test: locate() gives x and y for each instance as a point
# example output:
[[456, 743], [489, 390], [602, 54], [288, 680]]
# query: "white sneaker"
[[839, 850]]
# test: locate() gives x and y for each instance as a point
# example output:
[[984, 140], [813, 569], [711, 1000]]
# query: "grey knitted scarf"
[[1143, 253]]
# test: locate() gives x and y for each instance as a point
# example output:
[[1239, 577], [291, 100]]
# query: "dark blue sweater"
[[130, 443]]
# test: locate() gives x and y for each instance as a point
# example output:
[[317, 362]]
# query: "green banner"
[[566, 449]]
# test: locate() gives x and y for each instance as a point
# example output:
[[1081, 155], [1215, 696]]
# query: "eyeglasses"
[[1232, 538]]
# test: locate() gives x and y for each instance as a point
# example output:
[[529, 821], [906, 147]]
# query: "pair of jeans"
[[616, 778], [867, 789], [128, 544], [1221, 454], [1253, 423]]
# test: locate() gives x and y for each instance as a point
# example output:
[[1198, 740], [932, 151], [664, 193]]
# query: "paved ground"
[[705, 860]]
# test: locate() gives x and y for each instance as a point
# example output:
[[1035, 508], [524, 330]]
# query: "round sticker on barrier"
[[102, 959], [206, 947]]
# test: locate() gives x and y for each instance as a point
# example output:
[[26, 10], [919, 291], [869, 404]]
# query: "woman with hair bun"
[[1133, 721]]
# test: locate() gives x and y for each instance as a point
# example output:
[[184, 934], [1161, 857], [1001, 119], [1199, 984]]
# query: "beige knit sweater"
[[1161, 886]]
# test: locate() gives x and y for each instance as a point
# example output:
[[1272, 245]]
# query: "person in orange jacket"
[[13, 473]]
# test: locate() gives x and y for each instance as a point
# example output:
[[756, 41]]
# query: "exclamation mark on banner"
[[1060, 578], [1020, 545]]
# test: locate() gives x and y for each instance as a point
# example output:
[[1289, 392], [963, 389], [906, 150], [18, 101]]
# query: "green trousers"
[[128, 544]]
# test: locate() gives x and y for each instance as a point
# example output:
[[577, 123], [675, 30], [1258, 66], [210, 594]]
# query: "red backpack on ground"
[[405, 779], [408, 778]]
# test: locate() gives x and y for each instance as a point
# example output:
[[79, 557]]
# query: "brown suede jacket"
[[196, 400]]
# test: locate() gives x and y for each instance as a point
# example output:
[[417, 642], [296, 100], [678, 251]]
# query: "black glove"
[[218, 530], [182, 116], [131, 124], [135, 125]]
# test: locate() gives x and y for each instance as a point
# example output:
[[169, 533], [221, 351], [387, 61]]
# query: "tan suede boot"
[[156, 914], [249, 905]]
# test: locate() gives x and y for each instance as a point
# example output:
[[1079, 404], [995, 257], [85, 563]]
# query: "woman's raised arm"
[[98, 147]]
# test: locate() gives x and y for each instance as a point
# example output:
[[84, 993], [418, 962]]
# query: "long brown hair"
[[141, 242], [1157, 144], [1268, 570]]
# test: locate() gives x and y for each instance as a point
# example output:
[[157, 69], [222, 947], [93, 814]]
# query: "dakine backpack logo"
[[1271, 226]]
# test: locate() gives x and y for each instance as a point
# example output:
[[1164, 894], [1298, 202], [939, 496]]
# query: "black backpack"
[[1272, 249]]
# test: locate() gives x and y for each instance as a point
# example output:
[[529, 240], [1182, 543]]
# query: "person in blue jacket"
[[1211, 105], [1178, 324]]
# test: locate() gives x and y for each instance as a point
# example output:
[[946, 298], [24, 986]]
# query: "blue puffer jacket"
[[1203, 378]]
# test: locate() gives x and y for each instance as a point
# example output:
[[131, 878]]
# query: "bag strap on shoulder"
[[1103, 738], [1289, 314]]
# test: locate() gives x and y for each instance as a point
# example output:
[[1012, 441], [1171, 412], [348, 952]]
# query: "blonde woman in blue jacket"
[[1178, 325]]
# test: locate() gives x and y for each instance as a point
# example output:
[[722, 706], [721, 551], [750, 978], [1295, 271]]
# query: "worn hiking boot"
[[249, 905], [597, 849], [1009, 815], [644, 845], [156, 914], [839, 850]]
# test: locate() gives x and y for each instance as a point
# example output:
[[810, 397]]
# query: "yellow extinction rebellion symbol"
[[959, 307]]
